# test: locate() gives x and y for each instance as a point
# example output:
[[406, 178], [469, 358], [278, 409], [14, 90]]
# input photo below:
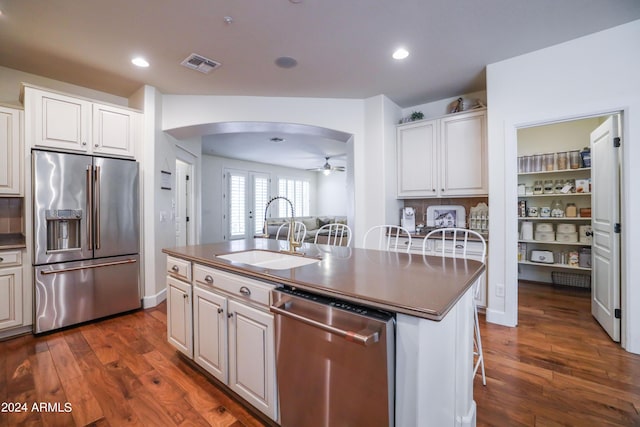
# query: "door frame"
[[192, 229], [510, 314]]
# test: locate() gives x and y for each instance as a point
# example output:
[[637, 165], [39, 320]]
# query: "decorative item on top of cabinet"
[[63, 122], [10, 151], [443, 157]]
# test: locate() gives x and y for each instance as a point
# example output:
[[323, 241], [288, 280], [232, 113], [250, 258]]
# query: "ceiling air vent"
[[200, 63]]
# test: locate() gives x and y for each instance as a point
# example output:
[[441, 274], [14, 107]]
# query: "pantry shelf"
[[521, 196], [555, 172], [567, 266], [548, 218], [555, 243]]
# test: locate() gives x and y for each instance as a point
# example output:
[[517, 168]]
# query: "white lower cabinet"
[[252, 356], [210, 332], [11, 289], [179, 320], [222, 321]]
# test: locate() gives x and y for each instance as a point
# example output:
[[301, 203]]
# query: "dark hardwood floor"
[[556, 368]]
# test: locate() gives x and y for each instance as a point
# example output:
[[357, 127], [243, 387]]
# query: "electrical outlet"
[[500, 289]]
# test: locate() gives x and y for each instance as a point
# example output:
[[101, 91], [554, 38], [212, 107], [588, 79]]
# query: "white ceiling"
[[343, 48]]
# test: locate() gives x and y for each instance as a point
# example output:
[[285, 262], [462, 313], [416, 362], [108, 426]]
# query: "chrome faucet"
[[293, 243]]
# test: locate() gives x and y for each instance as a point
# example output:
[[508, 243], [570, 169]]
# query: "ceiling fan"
[[327, 168]]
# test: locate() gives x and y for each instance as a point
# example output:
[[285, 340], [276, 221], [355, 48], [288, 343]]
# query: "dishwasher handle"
[[358, 338]]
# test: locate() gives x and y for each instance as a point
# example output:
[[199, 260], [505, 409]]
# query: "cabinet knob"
[[208, 279], [96, 145], [84, 142], [175, 268], [245, 291], [442, 189], [220, 310], [185, 296], [1, 259], [230, 315], [433, 189]]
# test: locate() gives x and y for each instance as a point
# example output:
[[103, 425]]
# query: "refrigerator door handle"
[[89, 210], [97, 203], [85, 267]]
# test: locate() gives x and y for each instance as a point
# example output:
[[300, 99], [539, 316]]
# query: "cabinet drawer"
[[10, 258], [179, 268], [245, 288]]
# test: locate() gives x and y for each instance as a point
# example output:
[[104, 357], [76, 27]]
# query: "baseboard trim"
[[154, 300], [498, 317]]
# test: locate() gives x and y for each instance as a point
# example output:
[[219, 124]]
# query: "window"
[[247, 196], [298, 192]]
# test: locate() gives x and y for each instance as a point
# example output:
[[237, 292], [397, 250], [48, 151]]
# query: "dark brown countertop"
[[417, 285], [12, 241]]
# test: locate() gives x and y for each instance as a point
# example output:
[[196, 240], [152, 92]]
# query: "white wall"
[[213, 224], [331, 191], [591, 75], [345, 115], [11, 79]]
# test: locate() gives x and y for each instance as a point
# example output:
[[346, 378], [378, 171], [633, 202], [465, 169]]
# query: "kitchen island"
[[432, 299]]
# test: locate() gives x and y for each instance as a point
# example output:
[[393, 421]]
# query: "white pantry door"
[[605, 204]]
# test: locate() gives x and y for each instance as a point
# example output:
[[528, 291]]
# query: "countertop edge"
[[253, 272]]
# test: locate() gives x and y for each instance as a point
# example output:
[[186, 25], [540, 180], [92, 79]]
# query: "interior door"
[[605, 204], [182, 203]]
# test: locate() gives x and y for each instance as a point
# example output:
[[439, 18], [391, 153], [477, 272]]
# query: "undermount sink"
[[267, 259]]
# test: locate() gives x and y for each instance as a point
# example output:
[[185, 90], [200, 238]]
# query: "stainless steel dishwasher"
[[334, 361]]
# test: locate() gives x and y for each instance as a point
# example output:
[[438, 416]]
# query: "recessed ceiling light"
[[140, 62], [276, 139], [286, 62], [400, 53]]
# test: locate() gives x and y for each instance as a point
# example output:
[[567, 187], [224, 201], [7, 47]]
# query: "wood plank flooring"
[[116, 372], [558, 367]]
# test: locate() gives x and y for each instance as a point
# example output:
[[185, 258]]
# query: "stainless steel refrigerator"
[[86, 238]]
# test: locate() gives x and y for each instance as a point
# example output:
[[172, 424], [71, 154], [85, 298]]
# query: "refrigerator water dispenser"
[[63, 229]]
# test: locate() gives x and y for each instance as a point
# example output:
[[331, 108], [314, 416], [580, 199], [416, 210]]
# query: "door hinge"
[[187, 219], [617, 313], [187, 178], [616, 142], [617, 228]]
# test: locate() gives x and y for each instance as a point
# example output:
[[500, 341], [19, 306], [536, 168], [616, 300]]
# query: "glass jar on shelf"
[[563, 160], [537, 187], [558, 186], [548, 163], [537, 162], [557, 209], [548, 186], [575, 160]]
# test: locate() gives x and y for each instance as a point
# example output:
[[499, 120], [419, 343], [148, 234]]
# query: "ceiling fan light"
[[326, 172]]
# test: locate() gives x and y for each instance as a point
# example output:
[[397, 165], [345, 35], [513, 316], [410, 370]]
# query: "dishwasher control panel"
[[337, 303]]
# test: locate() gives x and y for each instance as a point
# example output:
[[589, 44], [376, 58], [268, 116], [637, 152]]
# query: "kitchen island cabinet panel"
[[252, 356], [210, 332], [179, 312]]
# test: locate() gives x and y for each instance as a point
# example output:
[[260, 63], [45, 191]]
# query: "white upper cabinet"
[[445, 157], [417, 154], [10, 151], [68, 123]]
